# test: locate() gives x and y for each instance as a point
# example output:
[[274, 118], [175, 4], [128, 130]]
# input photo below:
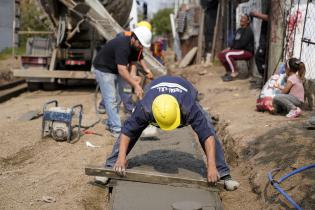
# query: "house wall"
[[6, 23]]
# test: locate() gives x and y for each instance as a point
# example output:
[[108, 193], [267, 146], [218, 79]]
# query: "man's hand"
[[213, 174], [226, 49], [253, 13], [138, 91], [149, 75], [120, 167]]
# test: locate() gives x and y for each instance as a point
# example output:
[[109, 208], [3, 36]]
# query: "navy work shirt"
[[191, 112]]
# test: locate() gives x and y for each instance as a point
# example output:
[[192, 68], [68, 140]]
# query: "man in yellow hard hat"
[[170, 103]]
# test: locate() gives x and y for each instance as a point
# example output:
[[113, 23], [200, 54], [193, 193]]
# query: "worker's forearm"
[[144, 66], [123, 147], [210, 151], [124, 73], [263, 17]]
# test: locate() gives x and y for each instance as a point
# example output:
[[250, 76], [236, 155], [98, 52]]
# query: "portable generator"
[[57, 121]]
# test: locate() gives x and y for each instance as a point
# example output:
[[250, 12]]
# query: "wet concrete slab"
[[143, 196], [175, 153]]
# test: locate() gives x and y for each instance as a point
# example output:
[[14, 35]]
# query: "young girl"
[[292, 94]]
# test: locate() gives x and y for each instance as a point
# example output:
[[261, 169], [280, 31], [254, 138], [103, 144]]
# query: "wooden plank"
[[200, 37], [12, 92], [53, 60], [216, 29], [149, 177], [36, 32], [62, 74], [188, 58]]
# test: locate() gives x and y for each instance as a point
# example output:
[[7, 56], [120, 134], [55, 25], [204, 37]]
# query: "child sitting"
[[291, 97]]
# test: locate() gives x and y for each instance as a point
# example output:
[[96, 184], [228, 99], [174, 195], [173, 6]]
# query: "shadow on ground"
[[168, 161]]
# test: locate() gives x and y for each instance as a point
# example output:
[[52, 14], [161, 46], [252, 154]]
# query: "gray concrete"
[[143, 196], [173, 153]]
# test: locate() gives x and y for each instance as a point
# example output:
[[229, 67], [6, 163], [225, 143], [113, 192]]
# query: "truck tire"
[[33, 86]]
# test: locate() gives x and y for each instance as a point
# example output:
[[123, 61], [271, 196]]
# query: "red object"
[[264, 104], [91, 132], [34, 60], [75, 62]]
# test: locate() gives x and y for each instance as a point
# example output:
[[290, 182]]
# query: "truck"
[[80, 28]]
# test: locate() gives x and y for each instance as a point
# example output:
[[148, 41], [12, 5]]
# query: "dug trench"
[[256, 142]]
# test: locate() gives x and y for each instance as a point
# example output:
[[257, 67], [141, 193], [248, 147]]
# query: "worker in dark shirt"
[[125, 89], [260, 55], [242, 48], [170, 103], [111, 63]]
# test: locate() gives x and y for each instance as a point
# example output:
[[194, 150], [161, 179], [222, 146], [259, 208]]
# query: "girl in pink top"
[[292, 94]]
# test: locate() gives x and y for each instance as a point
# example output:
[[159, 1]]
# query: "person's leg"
[[224, 171], [221, 165], [112, 158], [233, 55], [286, 102], [221, 57], [260, 60], [125, 92], [108, 85]]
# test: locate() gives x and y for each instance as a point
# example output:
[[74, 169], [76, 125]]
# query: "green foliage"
[[32, 19], [161, 22], [5, 53]]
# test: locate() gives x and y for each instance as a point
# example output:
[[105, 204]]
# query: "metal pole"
[[305, 19], [295, 24]]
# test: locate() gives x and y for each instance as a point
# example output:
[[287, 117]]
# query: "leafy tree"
[[32, 19], [161, 22]]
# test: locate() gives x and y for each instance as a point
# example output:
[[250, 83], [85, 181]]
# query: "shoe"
[[115, 134], [294, 113], [229, 183], [101, 109], [101, 179], [227, 78]]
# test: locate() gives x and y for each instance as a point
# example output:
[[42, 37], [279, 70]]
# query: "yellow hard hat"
[[145, 24], [166, 112]]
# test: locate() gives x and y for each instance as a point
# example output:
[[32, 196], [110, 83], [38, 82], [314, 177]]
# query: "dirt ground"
[[255, 143], [5, 69]]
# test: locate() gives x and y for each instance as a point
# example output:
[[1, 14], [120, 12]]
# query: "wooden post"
[[216, 29], [201, 36], [276, 20]]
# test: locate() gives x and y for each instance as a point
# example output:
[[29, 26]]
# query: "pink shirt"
[[297, 89]]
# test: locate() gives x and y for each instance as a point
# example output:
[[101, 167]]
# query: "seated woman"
[[242, 48], [291, 97]]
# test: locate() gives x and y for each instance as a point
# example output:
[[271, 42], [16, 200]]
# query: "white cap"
[[144, 35]]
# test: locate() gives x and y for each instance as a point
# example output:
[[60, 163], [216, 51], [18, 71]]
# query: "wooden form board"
[[149, 177], [42, 73]]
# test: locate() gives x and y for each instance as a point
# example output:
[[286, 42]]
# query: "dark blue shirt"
[[186, 95]]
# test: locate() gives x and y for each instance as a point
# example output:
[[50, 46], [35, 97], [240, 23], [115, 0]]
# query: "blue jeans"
[[221, 165], [110, 95], [125, 92]]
